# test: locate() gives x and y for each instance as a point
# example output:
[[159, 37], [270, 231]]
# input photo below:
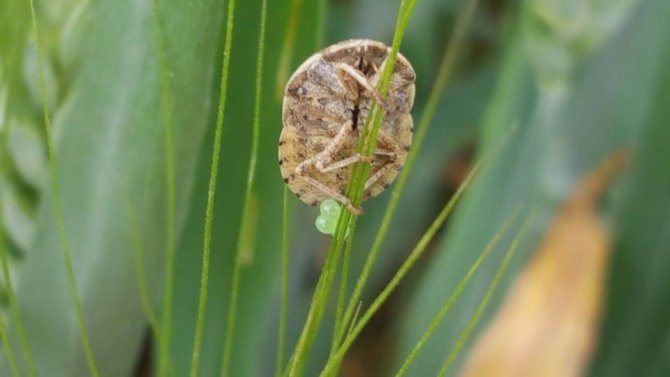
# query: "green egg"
[[326, 225], [330, 208]]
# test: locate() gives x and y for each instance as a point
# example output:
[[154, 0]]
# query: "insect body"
[[326, 103]]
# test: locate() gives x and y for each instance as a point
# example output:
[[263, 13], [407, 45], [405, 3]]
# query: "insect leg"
[[332, 193], [378, 174], [345, 162], [345, 70], [321, 159]]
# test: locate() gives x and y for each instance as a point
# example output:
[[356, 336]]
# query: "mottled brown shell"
[[317, 104]]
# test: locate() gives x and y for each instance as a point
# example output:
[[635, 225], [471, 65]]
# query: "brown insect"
[[326, 103]]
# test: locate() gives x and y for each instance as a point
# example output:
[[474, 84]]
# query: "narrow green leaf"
[[58, 206]]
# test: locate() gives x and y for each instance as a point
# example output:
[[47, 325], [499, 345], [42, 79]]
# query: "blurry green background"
[[579, 79]]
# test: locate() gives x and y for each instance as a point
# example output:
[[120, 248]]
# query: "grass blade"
[[58, 210], [487, 298], [346, 222], [232, 309], [444, 74], [281, 337], [14, 308], [457, 293], [9, 350], [166, 106], [288, 48], [209, 212], [409, 262]]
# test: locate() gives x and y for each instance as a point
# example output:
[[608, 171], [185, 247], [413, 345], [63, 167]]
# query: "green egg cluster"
[[327, 220]]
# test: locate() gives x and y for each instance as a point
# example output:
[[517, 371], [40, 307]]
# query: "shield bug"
[[326, 103]]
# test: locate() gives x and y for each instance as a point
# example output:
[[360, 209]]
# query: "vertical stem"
[[244, 226], [211, 193], [166, 105], [58, 208], [465, 335], [281, 341]]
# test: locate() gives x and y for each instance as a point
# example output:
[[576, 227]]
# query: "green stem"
[[346, 223], [9, 350], [437, 320], [416, 253], [287, 48], [211, 193], [465, 335], [14, 306], [281, 341], [166, 105], [340, 324], [320, 298], [237, 265], [444, 75], [58, 208]]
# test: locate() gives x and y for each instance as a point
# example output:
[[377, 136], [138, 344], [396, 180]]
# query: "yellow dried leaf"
[[549, 321]]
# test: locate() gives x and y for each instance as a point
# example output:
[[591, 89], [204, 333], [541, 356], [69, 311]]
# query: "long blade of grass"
[[444, 75], [416, 253], [166, 106], [14, 307], [319, 300], [131, 219], [339, 313], [288, 48], [283, 306], [251, 176], [9, 350], [58, 210], [346, 222], [211, 192], [140, 271], [456, 294], [487, 298]]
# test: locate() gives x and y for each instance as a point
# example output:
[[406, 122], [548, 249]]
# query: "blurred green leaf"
[[109, 137], [259, 283], [558, 141]]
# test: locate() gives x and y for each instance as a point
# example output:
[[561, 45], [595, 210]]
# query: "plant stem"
[[281, 341], [58, 208], [211, 193], [418, 250], [166, 106], [287, 48], [457, 293], [14, 305], [251, 176], [465, 335], [444, 75], [9, 350]]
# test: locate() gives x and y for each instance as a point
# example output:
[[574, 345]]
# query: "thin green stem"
[[58, 209], [320, 23], [340, 325], [237, 265], [346, 222], [211, 193], [287, 48], [437, 320], [416, 253], [166, 105], [139, 253], [14, 306], [444, 75], [319, 299], [281, 341], [138, 247], [465, 334], [9, 350]]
